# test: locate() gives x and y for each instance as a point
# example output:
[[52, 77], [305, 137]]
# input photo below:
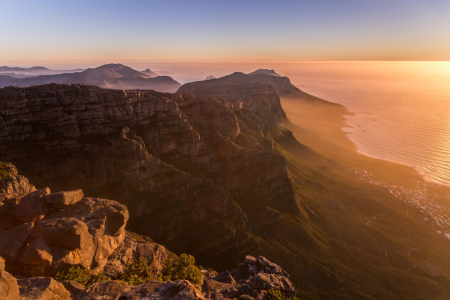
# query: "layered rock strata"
[[39, 238], [191, 170]]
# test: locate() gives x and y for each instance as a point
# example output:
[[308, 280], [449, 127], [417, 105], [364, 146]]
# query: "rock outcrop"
[[39, 238], [252, 278], [9, 290], [192, 170], [46, 233], [11, 183], [154, 254]]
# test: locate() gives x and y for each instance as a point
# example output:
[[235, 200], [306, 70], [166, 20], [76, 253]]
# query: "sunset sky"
[[86, 33]]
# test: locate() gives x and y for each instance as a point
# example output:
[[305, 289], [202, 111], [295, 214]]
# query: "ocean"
[[401, 109]]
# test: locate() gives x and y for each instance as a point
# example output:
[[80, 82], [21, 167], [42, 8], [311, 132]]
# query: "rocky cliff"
[[196, 172], [44, 234]]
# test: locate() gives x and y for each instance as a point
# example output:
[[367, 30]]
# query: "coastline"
[[319, 126]]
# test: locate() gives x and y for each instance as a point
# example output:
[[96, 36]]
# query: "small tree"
[[137, 272], [182, 268]]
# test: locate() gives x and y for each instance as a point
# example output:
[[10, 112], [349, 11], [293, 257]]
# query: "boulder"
[[225, 277], [66, 232], [180, 289], [110, 290], [75, 289], [33, 206], [64, 199], [13, 184], [36, 258], [42, 288], [214, 289], [98, 228], [263, 265], [142, 291], [8, 284], [64, 258], [13, 240], [117, 261], [264, 281]]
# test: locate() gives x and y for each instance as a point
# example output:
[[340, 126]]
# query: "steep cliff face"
[[191, 170]]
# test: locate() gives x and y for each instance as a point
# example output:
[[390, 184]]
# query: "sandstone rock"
[[66, 232], [42, 288], [36, 258], [13, 240], [263, 265], [8, 284], [118, 260], [153, 253], [101, 224], [185, 161], [63, 199], [264, 281], [213, 289], [33, 207], [64, 258], [142, 291], [180, 289], [110, 290], [245, 297], [12, 183], [253, 278], [75, 289], [225, 277]]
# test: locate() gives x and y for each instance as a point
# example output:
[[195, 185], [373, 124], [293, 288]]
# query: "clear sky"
[[88, 33]]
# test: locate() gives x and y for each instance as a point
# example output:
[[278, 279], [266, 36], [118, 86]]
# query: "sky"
[[89, 33]]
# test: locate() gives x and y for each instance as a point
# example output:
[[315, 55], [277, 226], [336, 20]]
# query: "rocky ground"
[[43, 233]]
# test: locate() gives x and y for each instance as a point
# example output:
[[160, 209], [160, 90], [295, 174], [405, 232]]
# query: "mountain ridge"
[[116, 76]]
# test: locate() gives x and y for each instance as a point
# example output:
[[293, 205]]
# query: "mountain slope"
[[115, 76], [214, 172]]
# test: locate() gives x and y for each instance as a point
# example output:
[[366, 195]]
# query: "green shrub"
[[81, 276], [278, 295], [137, 272], [181, 268]]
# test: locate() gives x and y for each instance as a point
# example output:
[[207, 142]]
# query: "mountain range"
[[226, 169], [115, 76]]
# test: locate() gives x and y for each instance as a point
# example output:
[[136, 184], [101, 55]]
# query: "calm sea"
[[402, 109]]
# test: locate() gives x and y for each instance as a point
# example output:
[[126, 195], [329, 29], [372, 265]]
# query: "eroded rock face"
[[42, 288], [84, 233], [105, 290], [33, 206], [154, 254], [192, 170], [180, 289], [13, 184], [64, 199], [9, 289]]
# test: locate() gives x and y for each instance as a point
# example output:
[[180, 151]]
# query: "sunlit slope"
[[355, 240]]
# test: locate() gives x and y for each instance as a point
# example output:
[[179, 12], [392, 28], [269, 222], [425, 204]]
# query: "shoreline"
[[421, 172], [319, 127]]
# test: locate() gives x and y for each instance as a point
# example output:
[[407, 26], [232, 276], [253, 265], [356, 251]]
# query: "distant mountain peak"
[[264, 71], [150, 73]]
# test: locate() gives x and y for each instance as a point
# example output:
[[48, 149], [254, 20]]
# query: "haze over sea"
[[402, 109]]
